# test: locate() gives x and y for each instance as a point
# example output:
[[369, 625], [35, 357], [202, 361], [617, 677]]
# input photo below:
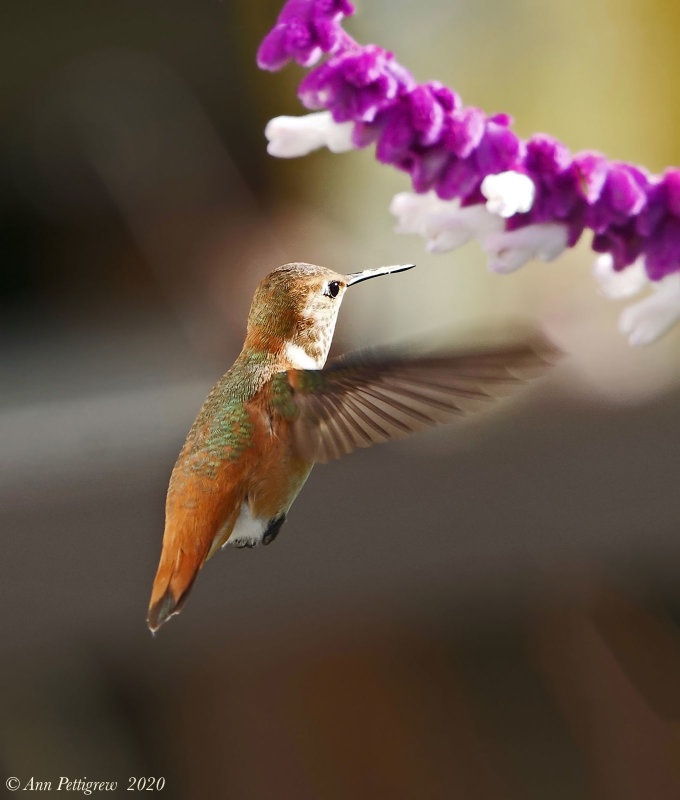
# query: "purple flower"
[[499, 149], [546, 156], [549, 164], [356, 84], [410, 127], [464, 131], [621, 242], [591, 168], [545, 197], [427, 168], [662, 254], [304, 30], [623, 197], [459, 177]]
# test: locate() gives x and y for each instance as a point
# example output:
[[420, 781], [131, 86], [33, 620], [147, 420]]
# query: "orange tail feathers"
[[171, 587], [176, 573], [198, 519], [186, 546]]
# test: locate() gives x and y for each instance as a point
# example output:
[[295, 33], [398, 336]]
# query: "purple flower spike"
[[427, 169], [663, 200], [622, 243], [671, 183], [459, 178], [355, 85], [395, 136], [499, 150], [663, 251], [409, 127], [592, 173], [622, 197], [426, 114], [546, 156], [472, 175], [304, 30], [464, 131]]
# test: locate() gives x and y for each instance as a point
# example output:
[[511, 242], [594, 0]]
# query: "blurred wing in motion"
[[372, 396]]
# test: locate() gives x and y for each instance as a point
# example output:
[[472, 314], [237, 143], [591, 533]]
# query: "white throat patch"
[[300, 359]]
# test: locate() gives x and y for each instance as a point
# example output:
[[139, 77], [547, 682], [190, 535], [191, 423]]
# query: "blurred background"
[[483, 611]]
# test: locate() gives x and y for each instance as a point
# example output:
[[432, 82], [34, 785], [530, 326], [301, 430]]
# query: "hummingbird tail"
[[196, 523], [176, 574]]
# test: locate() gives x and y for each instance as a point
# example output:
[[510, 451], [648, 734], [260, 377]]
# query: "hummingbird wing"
[[371, 396]]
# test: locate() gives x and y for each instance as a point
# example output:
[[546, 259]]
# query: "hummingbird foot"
[[273, 529]]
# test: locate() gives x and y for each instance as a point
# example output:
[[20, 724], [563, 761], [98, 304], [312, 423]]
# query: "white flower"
[[647, 320], [508, 193], [453, 228], [443, 223], [650, 318], [290, 137], [617, 285], [413, 210], [509, 250]]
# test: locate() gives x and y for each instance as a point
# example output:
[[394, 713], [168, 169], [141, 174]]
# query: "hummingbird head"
[[295, 309]]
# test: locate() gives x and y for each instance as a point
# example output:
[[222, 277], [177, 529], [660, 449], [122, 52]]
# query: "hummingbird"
[[278, 411]]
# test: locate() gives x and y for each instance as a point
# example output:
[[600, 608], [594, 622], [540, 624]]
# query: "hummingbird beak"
[[357, 277]]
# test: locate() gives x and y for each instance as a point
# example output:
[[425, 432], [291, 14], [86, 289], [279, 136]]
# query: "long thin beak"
[[357, 277]]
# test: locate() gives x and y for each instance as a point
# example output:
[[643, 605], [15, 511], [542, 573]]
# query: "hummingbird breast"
[[238, 471], [275, 476]]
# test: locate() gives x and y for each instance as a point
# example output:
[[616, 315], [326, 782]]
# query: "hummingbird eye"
[[332, 289]]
